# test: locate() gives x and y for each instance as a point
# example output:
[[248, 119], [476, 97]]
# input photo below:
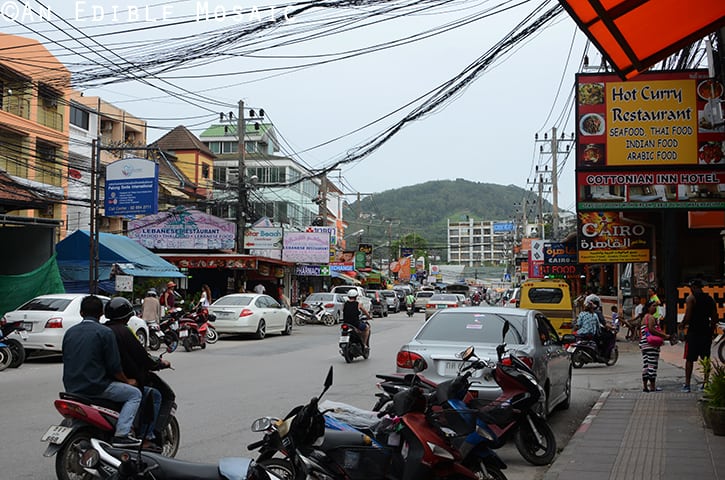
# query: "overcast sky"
[[485, 134]]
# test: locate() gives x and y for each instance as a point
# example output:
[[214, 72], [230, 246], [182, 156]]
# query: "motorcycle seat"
[[101, 402], [184, 470], [339, 438]]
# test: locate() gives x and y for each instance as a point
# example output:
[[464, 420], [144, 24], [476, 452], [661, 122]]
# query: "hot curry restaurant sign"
[[606, 237]]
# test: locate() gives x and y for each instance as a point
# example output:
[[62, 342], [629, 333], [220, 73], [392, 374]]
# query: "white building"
[[473, 242]]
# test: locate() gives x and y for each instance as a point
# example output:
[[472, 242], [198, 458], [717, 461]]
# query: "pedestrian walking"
[[700, 319], [650, 353]]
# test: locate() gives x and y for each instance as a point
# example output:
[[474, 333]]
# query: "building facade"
[[474, 242]]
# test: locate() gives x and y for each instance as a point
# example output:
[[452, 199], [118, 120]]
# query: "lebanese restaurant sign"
[[183, 229], [605, 237], [306, 247], [655, 124]]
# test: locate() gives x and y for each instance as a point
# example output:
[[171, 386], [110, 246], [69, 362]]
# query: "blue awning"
[[129, 257]]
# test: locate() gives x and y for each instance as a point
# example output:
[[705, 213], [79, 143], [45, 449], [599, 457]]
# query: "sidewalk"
[[633, 435]]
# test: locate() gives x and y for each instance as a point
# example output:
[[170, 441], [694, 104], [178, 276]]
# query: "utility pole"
[[554, 145], [242, 191]]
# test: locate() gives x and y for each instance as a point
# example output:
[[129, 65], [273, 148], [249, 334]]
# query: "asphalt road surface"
[[222, 389]]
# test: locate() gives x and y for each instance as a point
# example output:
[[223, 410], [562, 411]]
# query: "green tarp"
[[18, 289]]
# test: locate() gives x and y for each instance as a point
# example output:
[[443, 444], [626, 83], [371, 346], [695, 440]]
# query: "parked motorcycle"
[[586, 350], [166, 330], [314, 313], [14, 353], [85, 418], [410, 448], [351, 343], [191, 334]]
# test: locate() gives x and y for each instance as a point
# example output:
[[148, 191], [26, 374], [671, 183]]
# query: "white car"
[[46, 319], [361, 295], [250, 313]]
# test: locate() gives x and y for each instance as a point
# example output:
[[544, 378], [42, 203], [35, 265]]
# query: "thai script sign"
[[605, 237], [306, 247], [332, 231], [183, 229], [132, 187]]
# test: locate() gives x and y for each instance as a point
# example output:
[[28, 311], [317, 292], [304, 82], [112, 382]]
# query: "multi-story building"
[[292, 205], [474, 242], [34, 110]]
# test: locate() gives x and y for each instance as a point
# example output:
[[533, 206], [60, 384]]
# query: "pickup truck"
[[361, 297]]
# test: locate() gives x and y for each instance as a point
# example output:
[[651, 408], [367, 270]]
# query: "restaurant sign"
[[183, 229], [306, 247], [605, 237]]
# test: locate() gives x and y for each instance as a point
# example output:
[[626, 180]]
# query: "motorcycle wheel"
[[477, 466], [537, 449], [171, 438], [141, 335], [17, 351], [279, 467], [299, 320], [721, 351], [577, 359], [211, 335], [346, 355], [154, 342], [613, 357], [6, 358], [188, 346], [171, 339], [67, 466], [328, 319]]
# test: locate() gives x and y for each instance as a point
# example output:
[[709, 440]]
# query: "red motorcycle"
[[195, 329]]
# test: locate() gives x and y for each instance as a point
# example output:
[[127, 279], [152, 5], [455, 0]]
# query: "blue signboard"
[[132, 187], [499, 227]]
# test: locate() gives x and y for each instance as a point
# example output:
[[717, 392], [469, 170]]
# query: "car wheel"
[[142, 337], [287, 327], [261, 330]]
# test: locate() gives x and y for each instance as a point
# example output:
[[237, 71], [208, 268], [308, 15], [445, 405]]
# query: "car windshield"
[[47, 304], [233, 300], [545, 295], [444, 298], [424, 294], [472, 328], [387, 293], [320, 297]]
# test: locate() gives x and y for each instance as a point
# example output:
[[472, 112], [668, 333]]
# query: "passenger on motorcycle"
[[587, 323], [136, 363], [351, 315]]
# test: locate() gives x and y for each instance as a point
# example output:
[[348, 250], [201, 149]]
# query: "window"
[[47, 168], [79, 117], [215, 147], [205, 171], [250, 147], [229, 147]]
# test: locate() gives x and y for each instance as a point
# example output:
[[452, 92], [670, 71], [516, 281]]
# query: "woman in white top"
[[205, 299]]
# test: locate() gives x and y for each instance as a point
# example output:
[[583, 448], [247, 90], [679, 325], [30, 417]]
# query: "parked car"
[[332, 302], [421, 299], [362, 298], [391, 300], [46, 319], [378, 304], [531, 335], [439, 301], [254, 313]]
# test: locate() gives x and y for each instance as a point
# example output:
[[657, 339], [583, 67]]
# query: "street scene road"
[[222, 389]]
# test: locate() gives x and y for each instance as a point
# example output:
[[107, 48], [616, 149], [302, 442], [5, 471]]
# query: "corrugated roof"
[[14, 195], [180, 138]]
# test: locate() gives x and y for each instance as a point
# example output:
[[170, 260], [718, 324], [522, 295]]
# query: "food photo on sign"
[[711, 153]]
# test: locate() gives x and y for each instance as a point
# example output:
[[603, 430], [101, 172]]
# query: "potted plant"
[[715, 393]]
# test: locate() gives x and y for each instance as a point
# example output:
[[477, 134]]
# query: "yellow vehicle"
[[553, 299]]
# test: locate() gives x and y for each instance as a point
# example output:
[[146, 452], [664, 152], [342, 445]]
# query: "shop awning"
[[128, 257], [636, 34], [233, 261]]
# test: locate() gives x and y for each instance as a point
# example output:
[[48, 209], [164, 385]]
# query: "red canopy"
[[636, 34]]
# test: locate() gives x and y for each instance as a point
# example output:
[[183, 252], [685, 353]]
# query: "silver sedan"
[[531, 335]]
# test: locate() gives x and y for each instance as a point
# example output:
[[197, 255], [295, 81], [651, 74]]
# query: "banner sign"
[[183, 229], [635, 137], [332, 231], [501, 227], [312, 270], [364, 256], [558, 253], [605, 237], [306, 247], [132, 187], [269, 238], [406, 251], [536, 258], [342, 266]]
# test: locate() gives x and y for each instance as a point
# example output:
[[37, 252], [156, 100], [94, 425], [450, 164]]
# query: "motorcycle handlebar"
[[255, 445]]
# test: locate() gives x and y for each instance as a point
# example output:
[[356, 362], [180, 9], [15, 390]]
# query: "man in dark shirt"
[[92, 367], [700, 319], [135, 361]]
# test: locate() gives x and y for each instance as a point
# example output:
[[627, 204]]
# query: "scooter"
[[85, 418], [15, 353], [410, 309], [314, 313], [205, 320], [586, 350], [191, 333], [166, 330], [351, 344]]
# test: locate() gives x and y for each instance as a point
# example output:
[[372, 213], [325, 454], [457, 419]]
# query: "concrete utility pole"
[[241, 189], [553, 180]]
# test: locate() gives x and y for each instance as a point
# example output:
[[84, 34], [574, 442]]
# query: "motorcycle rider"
[[351, 315], [135, 361], [410, 301], [606, 337], [587, 323], [92, 367]]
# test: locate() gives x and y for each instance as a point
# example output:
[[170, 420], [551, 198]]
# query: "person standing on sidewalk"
[[700, 319], [650, 354]]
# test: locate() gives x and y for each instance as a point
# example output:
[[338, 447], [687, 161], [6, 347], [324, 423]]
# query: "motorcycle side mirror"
[[418, 365], [466, 354], [506, 327]]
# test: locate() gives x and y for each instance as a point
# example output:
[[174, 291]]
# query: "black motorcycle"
[[586, 350], [14, 346], [351, 343], [166, 331]]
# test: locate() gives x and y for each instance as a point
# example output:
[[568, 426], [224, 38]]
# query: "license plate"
[[23, 334], [439, 306], [451, 369], [183, 333], [344, 339], [28, 326], [571, 349], [56, 434]]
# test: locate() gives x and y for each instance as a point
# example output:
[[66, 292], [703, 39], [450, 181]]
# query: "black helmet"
[[118, 308]]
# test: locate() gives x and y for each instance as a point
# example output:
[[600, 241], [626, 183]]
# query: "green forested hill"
[[425, 208]]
